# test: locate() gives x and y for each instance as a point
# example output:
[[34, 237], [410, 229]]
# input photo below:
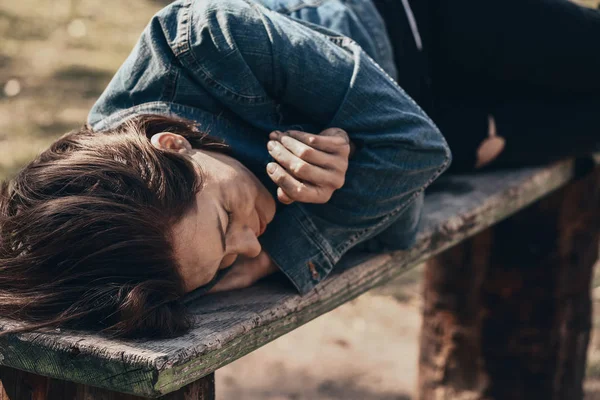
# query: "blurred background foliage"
[[56, 57]]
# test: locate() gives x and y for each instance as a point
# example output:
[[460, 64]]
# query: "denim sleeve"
[[246, 56]]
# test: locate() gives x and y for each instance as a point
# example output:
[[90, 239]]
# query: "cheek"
[[228, 260]]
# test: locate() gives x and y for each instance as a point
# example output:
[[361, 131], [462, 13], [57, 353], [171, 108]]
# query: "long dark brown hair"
[[85, 231]]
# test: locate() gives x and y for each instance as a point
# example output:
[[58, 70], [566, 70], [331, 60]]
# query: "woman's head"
[[229, 213], [108, 230]]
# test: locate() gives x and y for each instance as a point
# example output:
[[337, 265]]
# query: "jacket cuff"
[[297, 248]]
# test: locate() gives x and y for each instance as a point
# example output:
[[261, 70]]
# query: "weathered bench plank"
[[230, 325]]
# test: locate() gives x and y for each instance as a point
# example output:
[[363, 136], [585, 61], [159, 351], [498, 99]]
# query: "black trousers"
[[533, 65]]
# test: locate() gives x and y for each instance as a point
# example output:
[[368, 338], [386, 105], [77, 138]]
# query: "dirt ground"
[[365, 349], [56, 56]]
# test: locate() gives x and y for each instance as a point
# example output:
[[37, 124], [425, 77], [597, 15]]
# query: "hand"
[[245, 272], [309, 167]]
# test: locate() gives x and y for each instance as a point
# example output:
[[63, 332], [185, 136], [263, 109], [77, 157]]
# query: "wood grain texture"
[[230, 325], [21, 385], [507, 313]]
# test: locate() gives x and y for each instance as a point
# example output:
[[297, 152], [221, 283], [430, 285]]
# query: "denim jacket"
[[243, 68]]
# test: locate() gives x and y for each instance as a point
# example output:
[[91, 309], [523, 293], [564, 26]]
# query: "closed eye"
[[223, 231], [229, 219]]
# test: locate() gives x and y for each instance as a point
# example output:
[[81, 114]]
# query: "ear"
[[170, 141]]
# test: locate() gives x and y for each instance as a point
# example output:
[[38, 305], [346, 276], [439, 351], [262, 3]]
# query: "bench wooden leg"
[[20, 385], [507, 314]]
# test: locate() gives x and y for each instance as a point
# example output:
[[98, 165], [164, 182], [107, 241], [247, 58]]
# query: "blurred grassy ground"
[[56, 56]]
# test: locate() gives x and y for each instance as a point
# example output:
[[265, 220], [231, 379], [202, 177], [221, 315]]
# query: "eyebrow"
[[222, 232]]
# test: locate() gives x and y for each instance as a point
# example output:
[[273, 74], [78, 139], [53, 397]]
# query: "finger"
[[283, 197], [342, 133], [302, 170], [329, 144], [336, 132], [312, 155], [295, 190]]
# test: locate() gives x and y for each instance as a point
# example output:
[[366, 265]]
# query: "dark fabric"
[[414, 74], [534, 65]]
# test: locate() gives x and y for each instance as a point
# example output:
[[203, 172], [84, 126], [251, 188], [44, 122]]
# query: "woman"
[[109, 230], [114, 223]]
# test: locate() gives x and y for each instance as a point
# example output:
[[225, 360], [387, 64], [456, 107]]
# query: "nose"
[[248, 244]]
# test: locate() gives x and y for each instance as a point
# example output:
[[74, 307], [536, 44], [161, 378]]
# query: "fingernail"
[[270, 145], [271, 167], [277, 134]]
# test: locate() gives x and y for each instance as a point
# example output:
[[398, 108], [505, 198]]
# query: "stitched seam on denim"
[[274, 68], [344, 246], [182, 41], [154, 107], [311, 231], [379, 46], [349, 86], [321, 267], [319, 30], [170, 85], [186, 54], [308, 284], [304, 5], [210, 81], [292, 278], [410, 99]]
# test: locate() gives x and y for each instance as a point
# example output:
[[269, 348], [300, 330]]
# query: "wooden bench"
[[507, 309]]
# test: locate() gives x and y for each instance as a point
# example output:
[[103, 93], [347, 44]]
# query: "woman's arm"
[[309, 169], [247, 56]]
